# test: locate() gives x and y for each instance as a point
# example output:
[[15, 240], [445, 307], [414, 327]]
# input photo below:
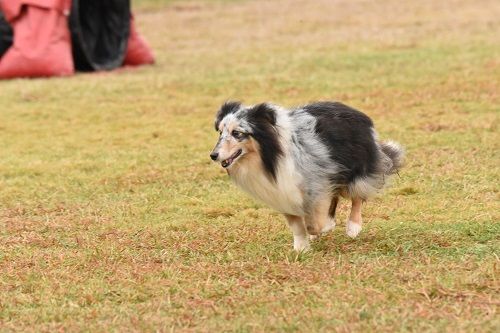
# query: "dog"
[[301, 161]]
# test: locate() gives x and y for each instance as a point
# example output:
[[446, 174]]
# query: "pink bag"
[[42, 44], [138, 51], [42, 40]]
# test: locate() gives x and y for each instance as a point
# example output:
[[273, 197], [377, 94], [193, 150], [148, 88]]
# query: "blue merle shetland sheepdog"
[[300, 161]]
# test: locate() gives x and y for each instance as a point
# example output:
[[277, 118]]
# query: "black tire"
[[99, 33], [6, 35]]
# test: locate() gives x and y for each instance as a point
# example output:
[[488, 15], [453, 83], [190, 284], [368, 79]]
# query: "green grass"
[[113, 218]]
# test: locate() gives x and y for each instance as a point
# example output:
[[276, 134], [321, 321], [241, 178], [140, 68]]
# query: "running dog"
[[300, 161]]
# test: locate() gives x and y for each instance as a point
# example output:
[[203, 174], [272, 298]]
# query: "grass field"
[[113, 218]]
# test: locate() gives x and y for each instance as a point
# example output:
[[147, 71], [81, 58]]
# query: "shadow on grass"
[[449, 239], [221, 241]]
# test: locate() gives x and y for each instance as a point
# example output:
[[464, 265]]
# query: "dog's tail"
[[396, 154]]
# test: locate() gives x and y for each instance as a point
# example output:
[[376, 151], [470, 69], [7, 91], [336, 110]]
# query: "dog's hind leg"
[[353, 225], [300, 237]]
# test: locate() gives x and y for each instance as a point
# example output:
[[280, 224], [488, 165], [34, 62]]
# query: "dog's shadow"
[[394, 242]]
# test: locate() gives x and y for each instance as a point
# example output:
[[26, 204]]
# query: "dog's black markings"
[[226, 108], [348, 135], [262, 120]]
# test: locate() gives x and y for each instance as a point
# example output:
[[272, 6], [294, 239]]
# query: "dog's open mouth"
[[230, 160]]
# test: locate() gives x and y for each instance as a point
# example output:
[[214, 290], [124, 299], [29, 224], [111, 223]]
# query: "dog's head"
[[246, 131]]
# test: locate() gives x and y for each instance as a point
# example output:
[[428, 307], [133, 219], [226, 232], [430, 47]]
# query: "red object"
[[42, 43], [42, 40], [138, 51]]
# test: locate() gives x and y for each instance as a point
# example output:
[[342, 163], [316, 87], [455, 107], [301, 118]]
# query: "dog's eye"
[[236, 134]]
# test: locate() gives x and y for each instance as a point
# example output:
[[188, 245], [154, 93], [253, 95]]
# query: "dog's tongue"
[[230, 160]]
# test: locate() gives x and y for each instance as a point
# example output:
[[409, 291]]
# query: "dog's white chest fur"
[[284, 194]]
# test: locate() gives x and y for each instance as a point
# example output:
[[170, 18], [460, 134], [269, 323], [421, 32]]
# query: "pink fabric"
[[138, 51], [12, 8], [42, 41]]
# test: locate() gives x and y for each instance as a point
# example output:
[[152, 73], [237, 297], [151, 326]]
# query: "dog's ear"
[[262, 113], [226, 108], [262, 119]]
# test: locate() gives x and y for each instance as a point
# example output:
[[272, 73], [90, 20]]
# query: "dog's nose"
[[214, 156]]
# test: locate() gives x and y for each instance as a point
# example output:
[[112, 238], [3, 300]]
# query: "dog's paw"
[[301, 243], [352, 229], [329, 226]]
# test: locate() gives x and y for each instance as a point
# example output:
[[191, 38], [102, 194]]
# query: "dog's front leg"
[[317, 219], [300, 237]]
